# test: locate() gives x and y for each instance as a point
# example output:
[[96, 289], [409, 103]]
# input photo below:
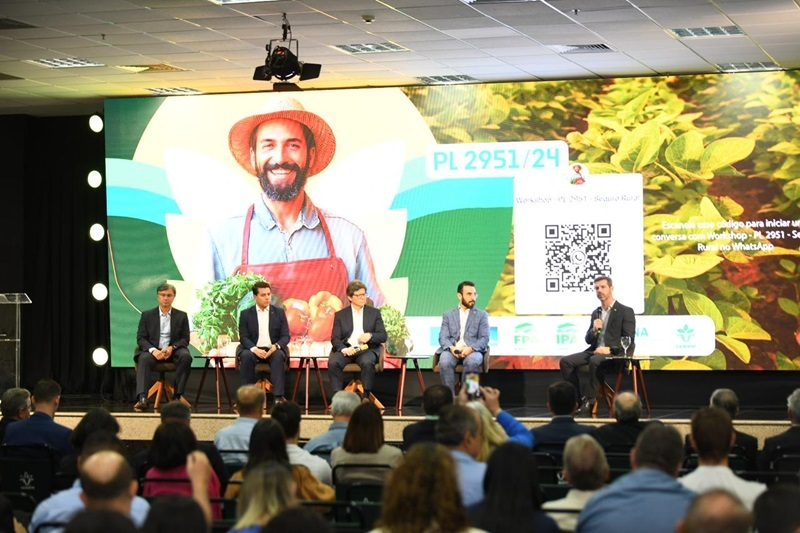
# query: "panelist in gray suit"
[[464, 336]]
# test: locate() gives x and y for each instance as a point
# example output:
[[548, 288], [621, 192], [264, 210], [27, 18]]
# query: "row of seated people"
[[468, 447], [357, 336], [619, 437]]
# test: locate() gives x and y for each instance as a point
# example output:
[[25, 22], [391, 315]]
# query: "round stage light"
[[96, 123], [97, 232], [94, 179], [100, 356], [100, 292]]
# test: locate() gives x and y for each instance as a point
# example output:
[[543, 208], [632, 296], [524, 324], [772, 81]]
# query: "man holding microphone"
[[609, 323]]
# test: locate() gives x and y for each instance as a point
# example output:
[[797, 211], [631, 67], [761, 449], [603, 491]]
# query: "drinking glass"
[[626, 343]]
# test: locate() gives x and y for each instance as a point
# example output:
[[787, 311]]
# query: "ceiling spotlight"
[[283, 64], [368, 19]]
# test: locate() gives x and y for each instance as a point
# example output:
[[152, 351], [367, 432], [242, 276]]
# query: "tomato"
[[298, 321], [294, 303], [324, 298], [321, 326]]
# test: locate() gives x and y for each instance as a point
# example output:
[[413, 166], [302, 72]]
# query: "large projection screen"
[[684, 189]]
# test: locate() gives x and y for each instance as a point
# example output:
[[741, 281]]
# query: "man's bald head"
[[717, 511], [249, 401], [627, 407], [107, 481]]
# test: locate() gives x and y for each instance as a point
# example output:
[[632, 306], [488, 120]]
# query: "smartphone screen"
[[473, 384]]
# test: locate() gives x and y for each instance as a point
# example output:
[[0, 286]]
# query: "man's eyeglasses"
[[359, 295]]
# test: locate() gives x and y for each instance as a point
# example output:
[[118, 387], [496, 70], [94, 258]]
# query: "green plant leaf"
[[789, 306], [715, 361], [784, 363], [739, 349], [739, 328], [684, 152], [684, 364], [657, 303], [684, 266], [639, 147], [699, 304], [725, 152], [785, 148], [788, 266]]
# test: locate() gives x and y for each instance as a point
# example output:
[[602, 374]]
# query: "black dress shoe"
[[141, 406], [586, 407]]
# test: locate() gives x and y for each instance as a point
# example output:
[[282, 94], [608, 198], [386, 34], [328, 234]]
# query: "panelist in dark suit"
[[354, 326], [263, 336], [40, 427], [609, 323], [463, 337], [163, 336]]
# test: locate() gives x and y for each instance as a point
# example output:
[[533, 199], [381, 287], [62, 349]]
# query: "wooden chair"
[[356, 385], [632, 365], [162, 388], [460, 367], [263, 369]]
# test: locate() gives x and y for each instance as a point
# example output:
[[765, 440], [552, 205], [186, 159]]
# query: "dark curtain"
[[51, 256]]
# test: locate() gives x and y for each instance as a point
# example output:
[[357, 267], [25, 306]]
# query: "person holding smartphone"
[[464, 336]]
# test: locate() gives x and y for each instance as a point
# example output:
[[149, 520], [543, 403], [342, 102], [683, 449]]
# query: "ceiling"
[[215, 48]]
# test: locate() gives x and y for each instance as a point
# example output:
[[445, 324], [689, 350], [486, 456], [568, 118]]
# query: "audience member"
[[788, 439], [100, 521], [513, 500], [16, 405], [561, 402], [298, 520], [459, 429], [249, 404], [716, 511], [622, 434], [267, 490], [422, 493], [776, 510], [727, 400], [343, 404], [651, 488], [95, 419], [178, 411], [172, 444], [364, 444], [586, 470], [712, 436], [268, 443], [434, 399], [63, 505], [498, 426], [175, 514], [287, 414], [40, 428], [7, 520]]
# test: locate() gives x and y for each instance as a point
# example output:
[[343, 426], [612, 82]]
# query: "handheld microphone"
[[597, 314]]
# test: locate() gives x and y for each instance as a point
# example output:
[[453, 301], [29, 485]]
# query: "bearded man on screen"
[[283, 236]]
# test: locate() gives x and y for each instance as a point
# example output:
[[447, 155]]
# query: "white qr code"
[[574, 255]]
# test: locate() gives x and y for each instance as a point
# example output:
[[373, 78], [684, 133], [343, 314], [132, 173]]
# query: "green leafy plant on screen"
[[221, 302]]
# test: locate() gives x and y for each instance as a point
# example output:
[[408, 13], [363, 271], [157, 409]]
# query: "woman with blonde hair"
[[268, 489], [498, 425], [422, 495]]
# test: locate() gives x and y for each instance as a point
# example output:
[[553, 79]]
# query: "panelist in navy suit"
[[354, 326], [609, 323], [464, 336], [163, 335], [263, 336]]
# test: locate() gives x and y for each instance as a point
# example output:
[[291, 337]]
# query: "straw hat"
[[283, 107]]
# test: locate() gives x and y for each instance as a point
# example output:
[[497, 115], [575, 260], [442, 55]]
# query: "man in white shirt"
[[249, 403], [586, 470], [712, 436], [287, 414]]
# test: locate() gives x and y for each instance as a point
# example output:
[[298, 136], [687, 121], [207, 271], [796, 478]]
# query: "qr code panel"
[[574, 255]]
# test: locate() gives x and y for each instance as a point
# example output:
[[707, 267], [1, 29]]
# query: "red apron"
[[299, 279]]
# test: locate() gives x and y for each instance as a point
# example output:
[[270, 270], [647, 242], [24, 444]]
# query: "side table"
[[401, 387]]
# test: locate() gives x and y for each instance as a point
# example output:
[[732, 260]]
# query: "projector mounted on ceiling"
[[283, 64]]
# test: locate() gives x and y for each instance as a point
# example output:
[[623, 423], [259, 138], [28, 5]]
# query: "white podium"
[[10, 337]]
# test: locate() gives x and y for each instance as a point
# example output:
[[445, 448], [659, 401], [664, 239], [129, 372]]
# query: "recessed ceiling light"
[[755, 66], [65, 62], [707, 31], [580, 48], [447, 80], [173, 91], [371, 48], [160, 67], [227, 2]]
